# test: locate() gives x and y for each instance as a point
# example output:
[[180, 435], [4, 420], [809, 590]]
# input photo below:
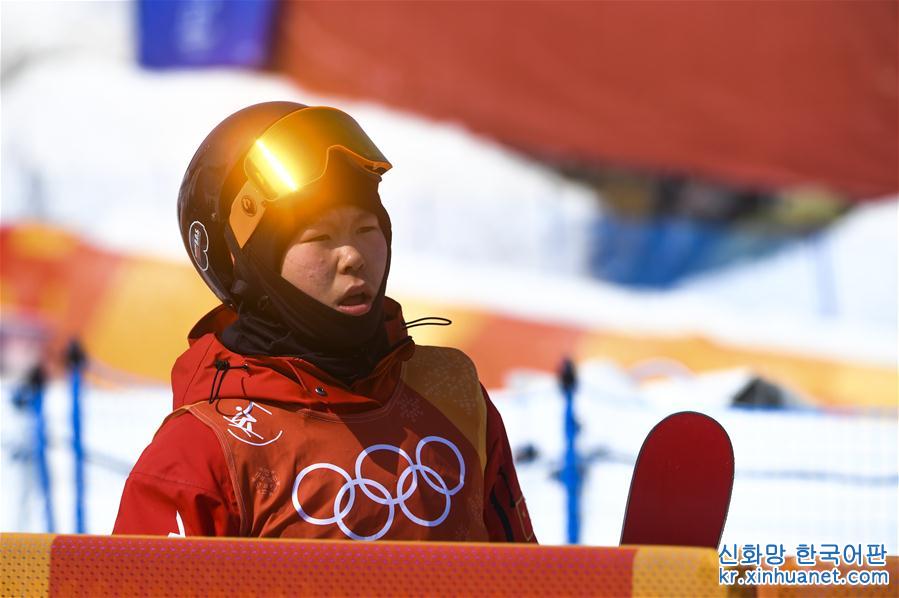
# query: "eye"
[[315, 238], [367, 229]]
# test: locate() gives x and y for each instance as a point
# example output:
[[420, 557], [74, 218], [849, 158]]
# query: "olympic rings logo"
[[412, 471]]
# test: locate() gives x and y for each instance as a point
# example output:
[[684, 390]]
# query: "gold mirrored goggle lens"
[[293, 153]]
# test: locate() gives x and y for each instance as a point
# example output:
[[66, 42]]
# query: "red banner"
[[758, 93]]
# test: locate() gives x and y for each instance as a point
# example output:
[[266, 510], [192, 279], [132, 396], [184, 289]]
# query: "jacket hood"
[[208, 370]]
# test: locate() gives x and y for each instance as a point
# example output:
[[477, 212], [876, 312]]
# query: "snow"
[[581, 302], [95, 145], [117, 426], [860, 269]]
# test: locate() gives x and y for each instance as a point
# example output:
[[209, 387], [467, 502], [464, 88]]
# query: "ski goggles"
[[291, 154]]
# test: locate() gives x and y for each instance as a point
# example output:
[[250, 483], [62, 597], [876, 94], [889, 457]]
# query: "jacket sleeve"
[[505, 512], [180, 485]]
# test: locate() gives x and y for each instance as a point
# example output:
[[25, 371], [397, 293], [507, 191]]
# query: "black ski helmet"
[[218, 172]]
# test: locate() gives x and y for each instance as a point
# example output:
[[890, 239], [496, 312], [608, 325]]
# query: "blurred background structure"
[[696, 202]]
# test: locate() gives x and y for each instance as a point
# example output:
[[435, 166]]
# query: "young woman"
[[303, 408]]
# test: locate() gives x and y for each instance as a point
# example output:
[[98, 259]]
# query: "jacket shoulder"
[[185, 451], [182, 474], [442, 369], [448, 379], [188, 366]]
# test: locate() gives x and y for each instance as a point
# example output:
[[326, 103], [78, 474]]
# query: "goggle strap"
[[376, 166]]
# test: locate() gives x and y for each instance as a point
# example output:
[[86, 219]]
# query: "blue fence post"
[[35, 388], [571, 474], [75, 360]]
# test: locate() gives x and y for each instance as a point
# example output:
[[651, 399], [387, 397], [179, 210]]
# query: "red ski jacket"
[[275, 447]]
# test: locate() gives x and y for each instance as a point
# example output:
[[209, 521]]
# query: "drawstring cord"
[[437, 321], [425, 321], [222, 368]]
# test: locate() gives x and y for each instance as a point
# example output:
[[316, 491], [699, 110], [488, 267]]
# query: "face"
[[338, 259]]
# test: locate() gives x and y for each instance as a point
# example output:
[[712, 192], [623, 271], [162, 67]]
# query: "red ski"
[[682, 482]]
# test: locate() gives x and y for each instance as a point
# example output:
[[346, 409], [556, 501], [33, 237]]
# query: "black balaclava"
[[274, 317]]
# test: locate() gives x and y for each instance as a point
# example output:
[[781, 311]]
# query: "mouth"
[[355, 303]]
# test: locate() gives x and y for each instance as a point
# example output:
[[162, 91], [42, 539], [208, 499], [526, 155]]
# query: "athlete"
[[303, 408]]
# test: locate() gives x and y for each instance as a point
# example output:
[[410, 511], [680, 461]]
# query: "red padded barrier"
[[47, 565]]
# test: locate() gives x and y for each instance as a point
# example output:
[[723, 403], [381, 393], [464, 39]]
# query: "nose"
[[350, 260]]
